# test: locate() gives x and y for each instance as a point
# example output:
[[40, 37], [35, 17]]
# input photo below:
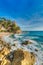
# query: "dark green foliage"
[[9, 25]]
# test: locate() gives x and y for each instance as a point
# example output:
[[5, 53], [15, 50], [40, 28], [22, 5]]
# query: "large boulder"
[[22, 57]]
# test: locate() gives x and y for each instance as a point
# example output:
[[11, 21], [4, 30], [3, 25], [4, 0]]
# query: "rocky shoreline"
[[15, 57]]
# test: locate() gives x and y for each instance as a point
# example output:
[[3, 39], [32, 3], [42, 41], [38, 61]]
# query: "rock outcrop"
[[15, 57], [22, 57]]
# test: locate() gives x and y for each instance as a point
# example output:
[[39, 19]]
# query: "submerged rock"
[[26, 43], [36, 50]]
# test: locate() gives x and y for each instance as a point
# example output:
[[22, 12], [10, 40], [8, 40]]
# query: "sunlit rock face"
[[15, 57], [4, 51], [19, 57], [5, 62], [22, 57], [3, 54]]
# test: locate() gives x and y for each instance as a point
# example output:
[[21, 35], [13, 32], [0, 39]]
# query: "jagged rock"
[[5, 62], [22, 57], [26, 43], [16, 57], [10, 56]]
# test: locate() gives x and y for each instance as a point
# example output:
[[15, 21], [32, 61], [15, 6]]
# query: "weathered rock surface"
[[22, 57], [16, 57]]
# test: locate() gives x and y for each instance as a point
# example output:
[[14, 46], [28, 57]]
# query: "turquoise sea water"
[[34, 35]]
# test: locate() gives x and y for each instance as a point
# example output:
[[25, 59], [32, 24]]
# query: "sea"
[[36, 37]]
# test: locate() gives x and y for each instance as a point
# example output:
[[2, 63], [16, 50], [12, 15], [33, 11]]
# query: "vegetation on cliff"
[[9, 26]]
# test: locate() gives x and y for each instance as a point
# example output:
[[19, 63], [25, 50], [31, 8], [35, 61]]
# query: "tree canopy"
[[9, 25]]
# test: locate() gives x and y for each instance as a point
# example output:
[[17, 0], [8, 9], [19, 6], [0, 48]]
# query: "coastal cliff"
[[9, 26], [18, 56]]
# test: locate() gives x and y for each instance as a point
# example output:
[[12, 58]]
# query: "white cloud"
[[35, 22]]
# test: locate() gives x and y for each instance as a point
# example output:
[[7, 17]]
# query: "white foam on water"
[[42, 46], [13, 48]]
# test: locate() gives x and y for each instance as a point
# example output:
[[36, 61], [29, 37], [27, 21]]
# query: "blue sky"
[[27, 13]]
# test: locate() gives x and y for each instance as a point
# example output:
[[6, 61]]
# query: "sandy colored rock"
[[5, 51], [5, 62], [22, 57], [16, 57]]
